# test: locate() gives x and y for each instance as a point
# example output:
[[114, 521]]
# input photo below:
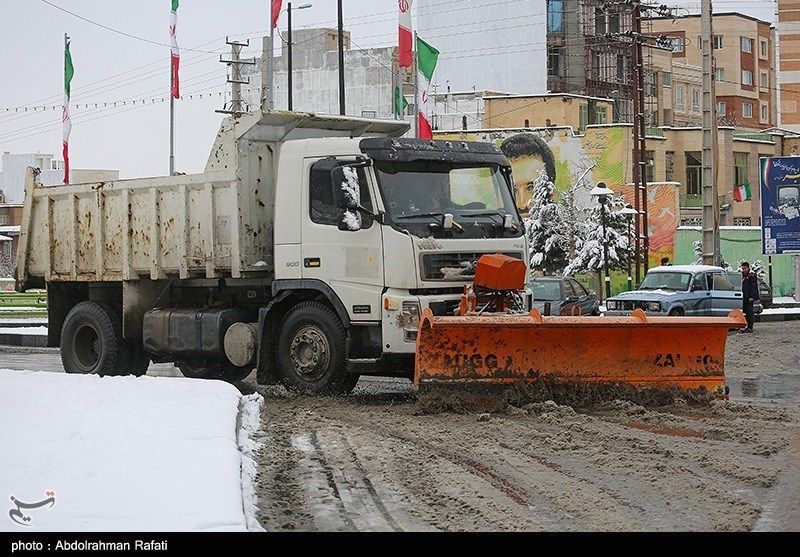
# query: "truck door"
[[349, 261]]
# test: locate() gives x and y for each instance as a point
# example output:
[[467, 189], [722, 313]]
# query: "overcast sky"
[[110, 67]]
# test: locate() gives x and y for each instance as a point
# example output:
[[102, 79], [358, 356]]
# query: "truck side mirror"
[[351, 221], [346, 187]]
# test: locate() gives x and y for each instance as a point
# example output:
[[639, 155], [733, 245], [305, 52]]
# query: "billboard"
[[780, 205]]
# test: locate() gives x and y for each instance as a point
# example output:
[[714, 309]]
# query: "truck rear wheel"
[[311, 351], [91, 341]]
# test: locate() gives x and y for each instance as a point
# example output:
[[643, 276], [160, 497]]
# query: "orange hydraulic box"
[[500, 272]]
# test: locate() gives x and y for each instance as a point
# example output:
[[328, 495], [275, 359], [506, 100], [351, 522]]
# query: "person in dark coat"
[[749, 295]]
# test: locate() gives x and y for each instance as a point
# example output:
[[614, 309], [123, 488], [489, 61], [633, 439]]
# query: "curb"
[[777, 317], [23, 340]]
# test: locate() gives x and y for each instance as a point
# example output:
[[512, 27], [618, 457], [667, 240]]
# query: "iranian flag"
[[743, 193], [276, 12], [175, 55], [427, 57], [405, 56], [69, 71]]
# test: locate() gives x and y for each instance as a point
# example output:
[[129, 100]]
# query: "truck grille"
[[453, 267], [630, 305]]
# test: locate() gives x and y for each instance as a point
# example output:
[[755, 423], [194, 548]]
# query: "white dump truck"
[[305, 250]]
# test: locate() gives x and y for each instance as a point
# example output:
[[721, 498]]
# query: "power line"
[[113, 30]]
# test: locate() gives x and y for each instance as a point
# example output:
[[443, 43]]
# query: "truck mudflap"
[[640, 350]]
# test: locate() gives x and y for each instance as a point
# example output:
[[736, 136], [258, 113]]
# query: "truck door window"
[[699, 282], [323, 208]]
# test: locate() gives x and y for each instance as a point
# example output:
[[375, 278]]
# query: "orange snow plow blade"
[[502, 349]]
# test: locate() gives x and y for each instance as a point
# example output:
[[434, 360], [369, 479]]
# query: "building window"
[[650, 166], [747, 44], [747, 77], [717, 42], [583, 118], [652, 82], [763, 80], [669, 166], [694, 169], [739, 169], [666, 79], [695, 100], [601, 115], [555, 16], [595, 65], [614, 22], [763, 49], [764, 112], [553, 62], [747, 110], [741, 221], [620, 68], [677, 44], [719, 74], [680, 93], [599, 21], [721, 109]]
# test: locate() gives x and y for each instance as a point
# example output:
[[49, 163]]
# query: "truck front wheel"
[[311, 351], [91, 341]]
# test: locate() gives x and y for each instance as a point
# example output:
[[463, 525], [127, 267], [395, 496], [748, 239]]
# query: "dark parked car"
[[563, 294], [765, 292]]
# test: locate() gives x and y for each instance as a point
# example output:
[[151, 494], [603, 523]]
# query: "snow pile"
[[125, 453], [39, 331], [250, 420]]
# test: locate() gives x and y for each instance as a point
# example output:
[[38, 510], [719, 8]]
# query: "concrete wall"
[[496, 46], [370, 77]]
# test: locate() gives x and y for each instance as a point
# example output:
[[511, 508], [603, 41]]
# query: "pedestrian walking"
[[750, 295]]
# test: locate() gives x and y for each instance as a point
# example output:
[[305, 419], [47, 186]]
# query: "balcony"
[[753, 136], [695, 201]]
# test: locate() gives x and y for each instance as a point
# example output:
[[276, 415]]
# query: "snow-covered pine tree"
[[589, 247], [546, 228]]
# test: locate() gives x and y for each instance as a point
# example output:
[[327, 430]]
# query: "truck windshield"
[[666, 281], [417, 193]]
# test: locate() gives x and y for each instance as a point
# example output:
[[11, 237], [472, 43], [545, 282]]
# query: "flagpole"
[[416, 86], [64, 114], [171, 118]]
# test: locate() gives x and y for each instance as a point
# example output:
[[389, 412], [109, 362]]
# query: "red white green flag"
[[427, 57], [175, 55], [405, 55], [276, 12], [743, 193], [69, 71]]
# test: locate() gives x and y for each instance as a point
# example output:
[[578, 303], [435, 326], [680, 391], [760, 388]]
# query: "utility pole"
[[289, 56], [171, 120], [341, 57], [711, 245], [642, 252], [236, 107], [415, 81]]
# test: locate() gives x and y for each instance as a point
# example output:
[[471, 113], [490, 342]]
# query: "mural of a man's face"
[[528, 154]]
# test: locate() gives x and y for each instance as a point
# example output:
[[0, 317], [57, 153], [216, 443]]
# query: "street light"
[[288, 10], [602, 193], [629, 213]]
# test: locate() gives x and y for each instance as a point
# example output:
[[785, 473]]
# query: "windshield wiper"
[[502, 217]]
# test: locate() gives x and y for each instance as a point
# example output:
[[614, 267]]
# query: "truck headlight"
[[611, 305], [409, 319], [652, 306]]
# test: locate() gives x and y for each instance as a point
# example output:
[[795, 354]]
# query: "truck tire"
[[311, 351], [213, 370], [91, 341], [137, 358]]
